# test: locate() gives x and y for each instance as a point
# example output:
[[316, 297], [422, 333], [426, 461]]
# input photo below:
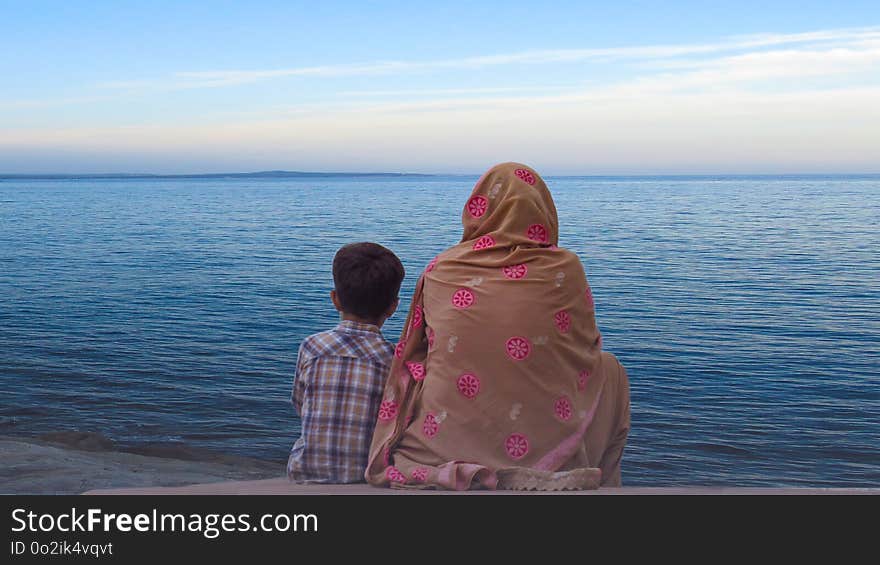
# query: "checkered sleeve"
[[299, 381]]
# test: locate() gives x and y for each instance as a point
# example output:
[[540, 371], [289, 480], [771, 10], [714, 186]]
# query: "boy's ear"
[[335, 299]]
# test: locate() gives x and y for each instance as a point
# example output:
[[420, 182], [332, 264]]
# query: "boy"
[[340, 373]]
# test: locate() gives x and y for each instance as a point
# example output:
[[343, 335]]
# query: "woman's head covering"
[[511, 204], [494, 366]]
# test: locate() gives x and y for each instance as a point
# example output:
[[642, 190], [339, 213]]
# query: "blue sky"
[[568, 87]]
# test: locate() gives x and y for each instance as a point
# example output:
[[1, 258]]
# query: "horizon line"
[[282, 173]]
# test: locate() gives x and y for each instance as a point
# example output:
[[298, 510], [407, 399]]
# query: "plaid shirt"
[[340, 378]]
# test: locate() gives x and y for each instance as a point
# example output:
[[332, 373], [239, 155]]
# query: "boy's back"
[[340, 378]]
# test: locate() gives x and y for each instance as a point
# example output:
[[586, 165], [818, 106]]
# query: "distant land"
[[318, 175], [256, 175]]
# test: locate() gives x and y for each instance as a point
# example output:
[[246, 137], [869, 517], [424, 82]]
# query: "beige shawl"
[[493, 370]]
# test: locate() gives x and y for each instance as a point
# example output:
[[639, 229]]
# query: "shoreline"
[[76, 462]]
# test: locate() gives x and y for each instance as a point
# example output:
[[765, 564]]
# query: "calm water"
[[746, 310]]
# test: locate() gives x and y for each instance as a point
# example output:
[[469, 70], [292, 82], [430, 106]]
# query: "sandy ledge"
[[72, 463], [281, 486]]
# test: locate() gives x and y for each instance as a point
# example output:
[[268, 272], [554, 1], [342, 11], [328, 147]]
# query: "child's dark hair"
[[367, 278]]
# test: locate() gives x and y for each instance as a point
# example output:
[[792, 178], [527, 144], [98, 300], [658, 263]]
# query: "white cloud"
[[223, 78], [827, 130], [774, 103]]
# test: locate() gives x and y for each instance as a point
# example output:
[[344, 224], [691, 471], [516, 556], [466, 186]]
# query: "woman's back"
[[500, 365]]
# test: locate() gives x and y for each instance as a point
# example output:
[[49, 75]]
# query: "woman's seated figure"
[[499, 379]]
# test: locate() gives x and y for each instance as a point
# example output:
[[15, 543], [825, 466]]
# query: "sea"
[[746, 309]]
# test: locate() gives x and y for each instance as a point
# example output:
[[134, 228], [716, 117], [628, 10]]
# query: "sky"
[[620, 87]]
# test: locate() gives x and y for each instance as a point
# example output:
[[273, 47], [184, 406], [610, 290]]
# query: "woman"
[[499, 380]]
